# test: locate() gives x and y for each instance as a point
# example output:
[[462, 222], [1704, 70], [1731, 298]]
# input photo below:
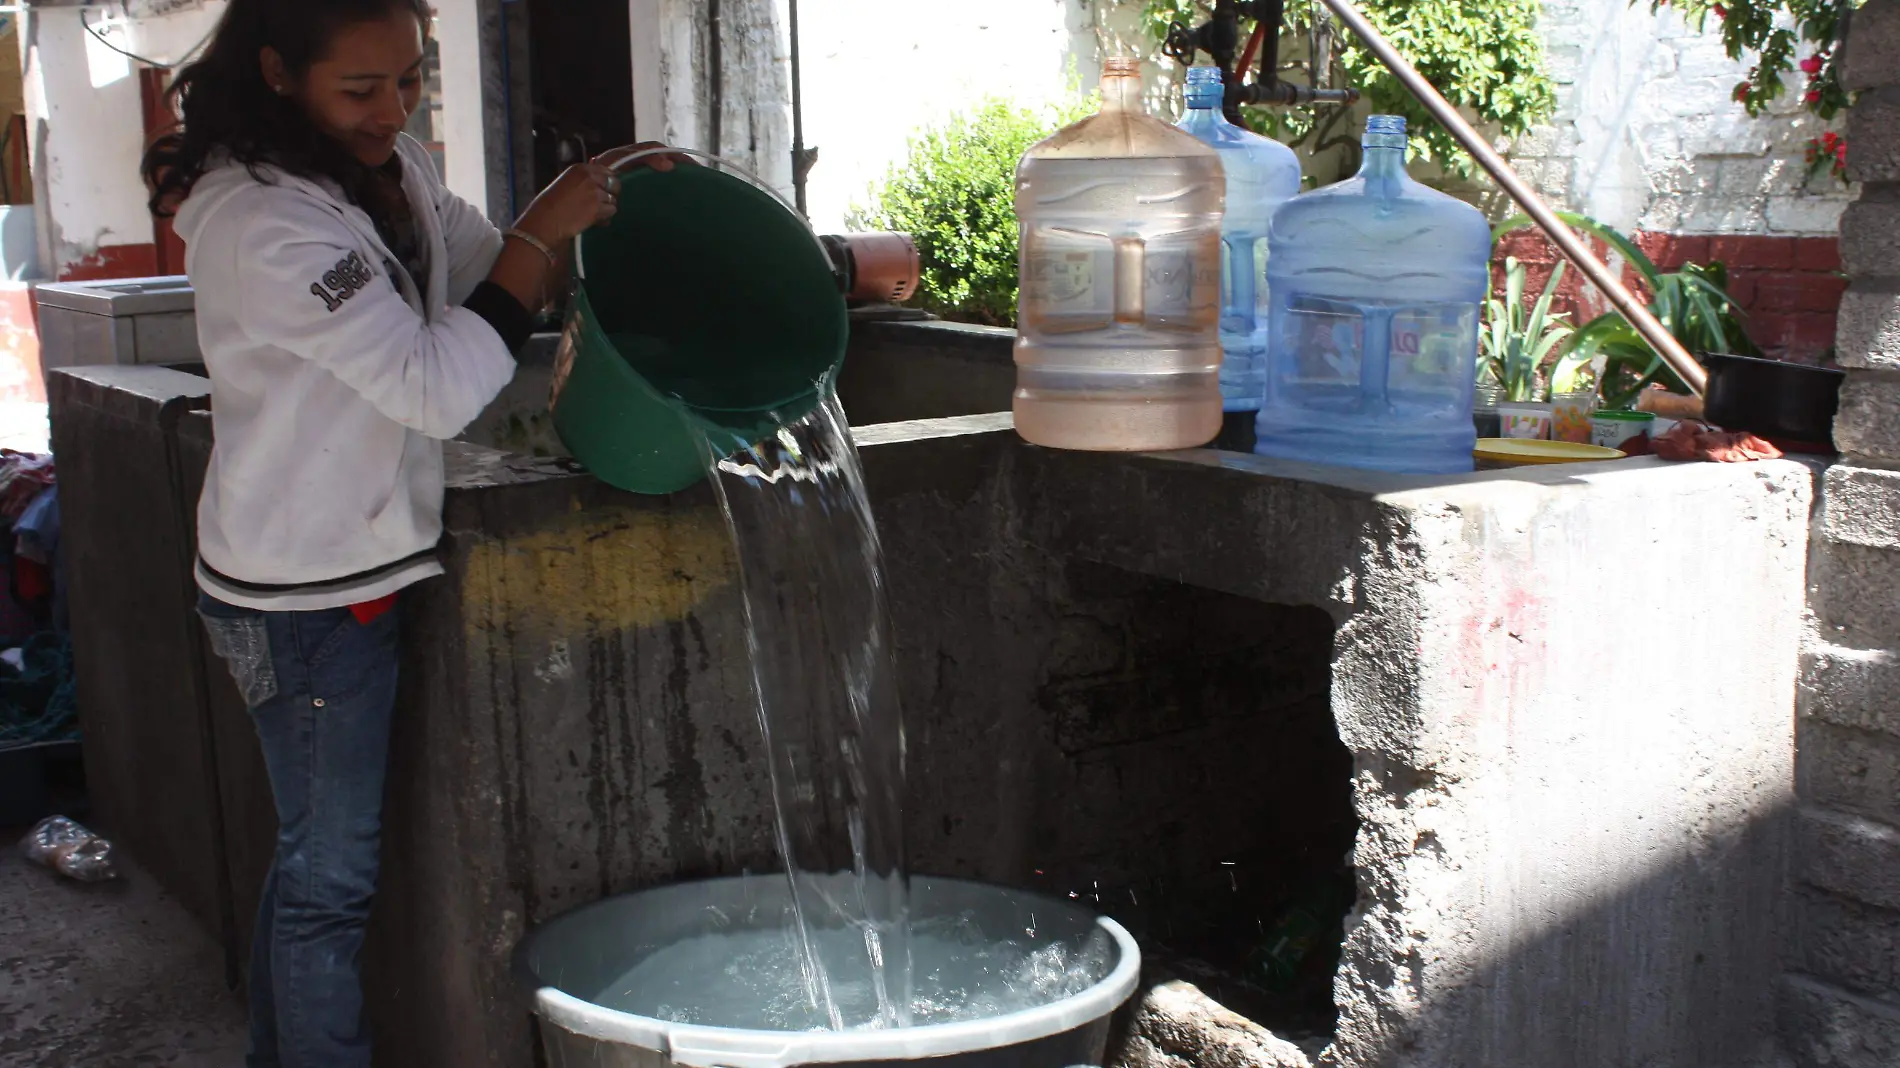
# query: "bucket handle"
[[580, 267]]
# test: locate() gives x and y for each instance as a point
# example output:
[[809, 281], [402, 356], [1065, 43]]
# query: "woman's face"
[[363, 90]]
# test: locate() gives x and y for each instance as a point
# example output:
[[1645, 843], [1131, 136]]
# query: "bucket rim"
[[701, 1046]]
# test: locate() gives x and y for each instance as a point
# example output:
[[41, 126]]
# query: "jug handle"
[[580, 266]]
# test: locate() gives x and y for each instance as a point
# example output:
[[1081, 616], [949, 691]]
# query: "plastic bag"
[[70, 849]]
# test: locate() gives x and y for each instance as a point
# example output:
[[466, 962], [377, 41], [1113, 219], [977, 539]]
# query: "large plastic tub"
[[572, 959]]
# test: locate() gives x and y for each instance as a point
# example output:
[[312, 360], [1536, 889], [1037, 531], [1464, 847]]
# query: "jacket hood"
[[219, 184], [226, 179]]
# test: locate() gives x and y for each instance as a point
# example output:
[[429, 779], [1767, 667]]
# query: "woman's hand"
[[584, 196], [587, 194]]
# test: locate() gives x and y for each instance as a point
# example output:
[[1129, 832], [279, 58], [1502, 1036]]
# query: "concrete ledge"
[[899, 371], [1828, 1027], [1850, 855]]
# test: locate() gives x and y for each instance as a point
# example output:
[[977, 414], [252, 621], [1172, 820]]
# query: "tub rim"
[[702, 1046]]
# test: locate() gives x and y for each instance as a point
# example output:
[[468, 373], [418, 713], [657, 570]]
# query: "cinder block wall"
[[1841, 1000]]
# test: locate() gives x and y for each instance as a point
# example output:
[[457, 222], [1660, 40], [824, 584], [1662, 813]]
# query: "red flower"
[[1741, 92], [1811, 65], [1814, 96], [1721, 12]]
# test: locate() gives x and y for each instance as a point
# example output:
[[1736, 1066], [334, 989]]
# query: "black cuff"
[[502, 311]]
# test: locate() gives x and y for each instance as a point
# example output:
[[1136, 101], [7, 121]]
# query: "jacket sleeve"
[[472, 240], [304, 287]]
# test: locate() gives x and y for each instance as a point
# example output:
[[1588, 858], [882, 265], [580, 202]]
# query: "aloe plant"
[[1692, 304], [1516, 343]]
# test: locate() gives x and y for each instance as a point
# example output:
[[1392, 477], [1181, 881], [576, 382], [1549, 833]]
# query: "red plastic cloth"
[[370, 611], [1690, 440]]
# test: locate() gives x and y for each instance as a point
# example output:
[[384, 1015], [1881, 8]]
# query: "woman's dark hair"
[[230, 112]]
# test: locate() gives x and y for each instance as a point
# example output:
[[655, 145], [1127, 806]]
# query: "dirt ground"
[[107, 976]]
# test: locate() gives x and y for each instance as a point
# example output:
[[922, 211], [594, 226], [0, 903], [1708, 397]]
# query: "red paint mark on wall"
[[1501, 655], [113, 261]]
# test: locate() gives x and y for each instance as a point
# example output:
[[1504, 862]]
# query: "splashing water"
[[812, 574], [749, 977]]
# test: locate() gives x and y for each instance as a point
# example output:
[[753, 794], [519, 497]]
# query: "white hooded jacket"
[[335, 378]]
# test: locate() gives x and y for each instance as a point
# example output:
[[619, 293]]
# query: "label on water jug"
[[1062, 278]]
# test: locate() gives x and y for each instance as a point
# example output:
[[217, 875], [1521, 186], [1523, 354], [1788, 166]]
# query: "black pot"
[[1786, 401]]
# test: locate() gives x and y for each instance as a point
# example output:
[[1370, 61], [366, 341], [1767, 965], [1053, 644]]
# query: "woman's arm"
[[303, 286]]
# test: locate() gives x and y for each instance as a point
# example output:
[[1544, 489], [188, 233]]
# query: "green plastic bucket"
[[707, 303]]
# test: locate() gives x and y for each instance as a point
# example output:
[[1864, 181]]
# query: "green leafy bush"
[[955, 193]]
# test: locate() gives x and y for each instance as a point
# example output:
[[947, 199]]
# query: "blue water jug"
[[1262, 174], [1375, 288]]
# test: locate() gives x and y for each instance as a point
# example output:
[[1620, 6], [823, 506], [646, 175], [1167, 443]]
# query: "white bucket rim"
[[700, 1046]]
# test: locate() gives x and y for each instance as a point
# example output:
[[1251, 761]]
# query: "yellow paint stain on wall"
[[598, 570]]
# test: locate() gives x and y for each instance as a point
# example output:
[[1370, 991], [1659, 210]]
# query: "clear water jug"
[[1376, 284], [1118, 331], [1262, 174]]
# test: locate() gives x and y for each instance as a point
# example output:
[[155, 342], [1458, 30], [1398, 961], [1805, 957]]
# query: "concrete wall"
[[1841, 1002], [1566, 802]]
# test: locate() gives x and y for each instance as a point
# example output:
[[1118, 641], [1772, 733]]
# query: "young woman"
[[353, 314]]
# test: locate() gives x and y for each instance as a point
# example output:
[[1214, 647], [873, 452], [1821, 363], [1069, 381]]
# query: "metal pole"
[[1567, 241], [801, 163]]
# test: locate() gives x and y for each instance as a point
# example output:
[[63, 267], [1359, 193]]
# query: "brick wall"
[[1841, 999], [1789, 287]]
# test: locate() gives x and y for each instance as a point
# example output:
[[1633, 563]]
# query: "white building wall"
[[1648, 135], [85, 121]]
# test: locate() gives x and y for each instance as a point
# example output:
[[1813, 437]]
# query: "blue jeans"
[[322, 690]]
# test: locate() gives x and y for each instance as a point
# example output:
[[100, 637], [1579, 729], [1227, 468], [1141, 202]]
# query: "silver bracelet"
[[535, 243]]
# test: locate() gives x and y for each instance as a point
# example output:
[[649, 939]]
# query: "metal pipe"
[[715, 78], [1567, 241], [1287, 94], [801, 159]]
